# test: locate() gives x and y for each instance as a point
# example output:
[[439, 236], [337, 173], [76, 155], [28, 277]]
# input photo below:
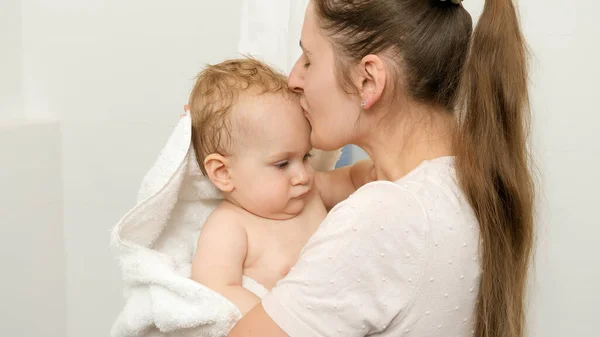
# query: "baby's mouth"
[[302, 195]]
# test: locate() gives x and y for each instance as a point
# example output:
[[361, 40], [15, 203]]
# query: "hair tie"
[[456, 2]]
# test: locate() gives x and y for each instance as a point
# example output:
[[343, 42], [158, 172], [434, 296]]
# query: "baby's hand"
[[337, 185], [362, 172]]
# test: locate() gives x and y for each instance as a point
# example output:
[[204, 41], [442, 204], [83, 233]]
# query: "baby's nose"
[[301, 177]]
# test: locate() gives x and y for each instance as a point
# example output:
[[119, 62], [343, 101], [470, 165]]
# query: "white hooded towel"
[[155, 243]]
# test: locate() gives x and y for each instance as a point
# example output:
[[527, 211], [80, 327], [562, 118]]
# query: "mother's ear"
[[218, 171], [370, 79]]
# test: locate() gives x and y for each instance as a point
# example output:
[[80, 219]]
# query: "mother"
[[440, 243]]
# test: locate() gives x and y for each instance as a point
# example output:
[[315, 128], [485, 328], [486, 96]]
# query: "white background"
[[89, 91]]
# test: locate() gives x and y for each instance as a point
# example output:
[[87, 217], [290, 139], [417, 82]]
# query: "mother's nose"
[[296, 78]]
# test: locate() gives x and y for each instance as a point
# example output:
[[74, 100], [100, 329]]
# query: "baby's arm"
[[219, 260], [337, 185]]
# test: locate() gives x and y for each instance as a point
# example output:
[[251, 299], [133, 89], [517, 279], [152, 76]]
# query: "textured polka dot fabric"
[[395, 259]]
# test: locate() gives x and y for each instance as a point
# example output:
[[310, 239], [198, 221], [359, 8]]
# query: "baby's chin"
[[293, 208], [289, 212]]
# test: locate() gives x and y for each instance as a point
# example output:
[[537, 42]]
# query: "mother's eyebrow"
[[303, 48]]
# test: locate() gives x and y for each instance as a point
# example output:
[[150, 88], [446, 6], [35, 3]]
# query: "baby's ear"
[[217, 169]]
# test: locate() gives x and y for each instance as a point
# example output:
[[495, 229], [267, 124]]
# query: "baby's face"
[[270, 169]]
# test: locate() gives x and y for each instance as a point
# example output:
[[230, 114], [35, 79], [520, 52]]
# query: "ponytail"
[[493, 166]]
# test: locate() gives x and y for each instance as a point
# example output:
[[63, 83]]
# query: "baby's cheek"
[[261, 189], [275, 190], [278, 193]]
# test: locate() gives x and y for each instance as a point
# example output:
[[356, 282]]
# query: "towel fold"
[[156, 241]]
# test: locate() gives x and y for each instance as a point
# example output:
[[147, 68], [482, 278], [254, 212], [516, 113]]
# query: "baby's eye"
[[308, 156], [306, 65], [282, 165]]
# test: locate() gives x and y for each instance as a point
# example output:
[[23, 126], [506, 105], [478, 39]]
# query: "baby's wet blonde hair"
[[217, 91]]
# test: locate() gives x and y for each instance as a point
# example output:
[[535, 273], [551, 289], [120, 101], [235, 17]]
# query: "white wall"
[[565, 71], [32, 255], [31, 236], [11, 47], [270, 30]]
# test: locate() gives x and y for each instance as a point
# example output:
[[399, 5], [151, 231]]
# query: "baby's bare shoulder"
[[221, 249], [224, 222]]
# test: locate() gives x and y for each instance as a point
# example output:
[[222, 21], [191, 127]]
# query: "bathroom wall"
[[31, 234], [11, 55], [33, 287], [565, 71]]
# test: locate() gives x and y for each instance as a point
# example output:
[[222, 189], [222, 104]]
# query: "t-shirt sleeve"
[[359, 270]]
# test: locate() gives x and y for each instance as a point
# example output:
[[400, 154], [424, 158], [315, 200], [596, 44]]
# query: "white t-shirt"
[[395, 259]]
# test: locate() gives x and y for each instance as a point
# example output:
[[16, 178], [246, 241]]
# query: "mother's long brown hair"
[[482, 76]]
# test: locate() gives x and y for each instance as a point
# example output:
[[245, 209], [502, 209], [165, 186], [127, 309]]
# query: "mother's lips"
[[303, 105], [306, 113]]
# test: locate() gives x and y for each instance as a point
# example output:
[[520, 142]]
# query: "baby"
[[252, 142]]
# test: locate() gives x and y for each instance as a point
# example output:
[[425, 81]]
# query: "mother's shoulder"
[[380, 199]]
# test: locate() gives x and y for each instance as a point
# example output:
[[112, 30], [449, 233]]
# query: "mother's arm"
[[257, 323]]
